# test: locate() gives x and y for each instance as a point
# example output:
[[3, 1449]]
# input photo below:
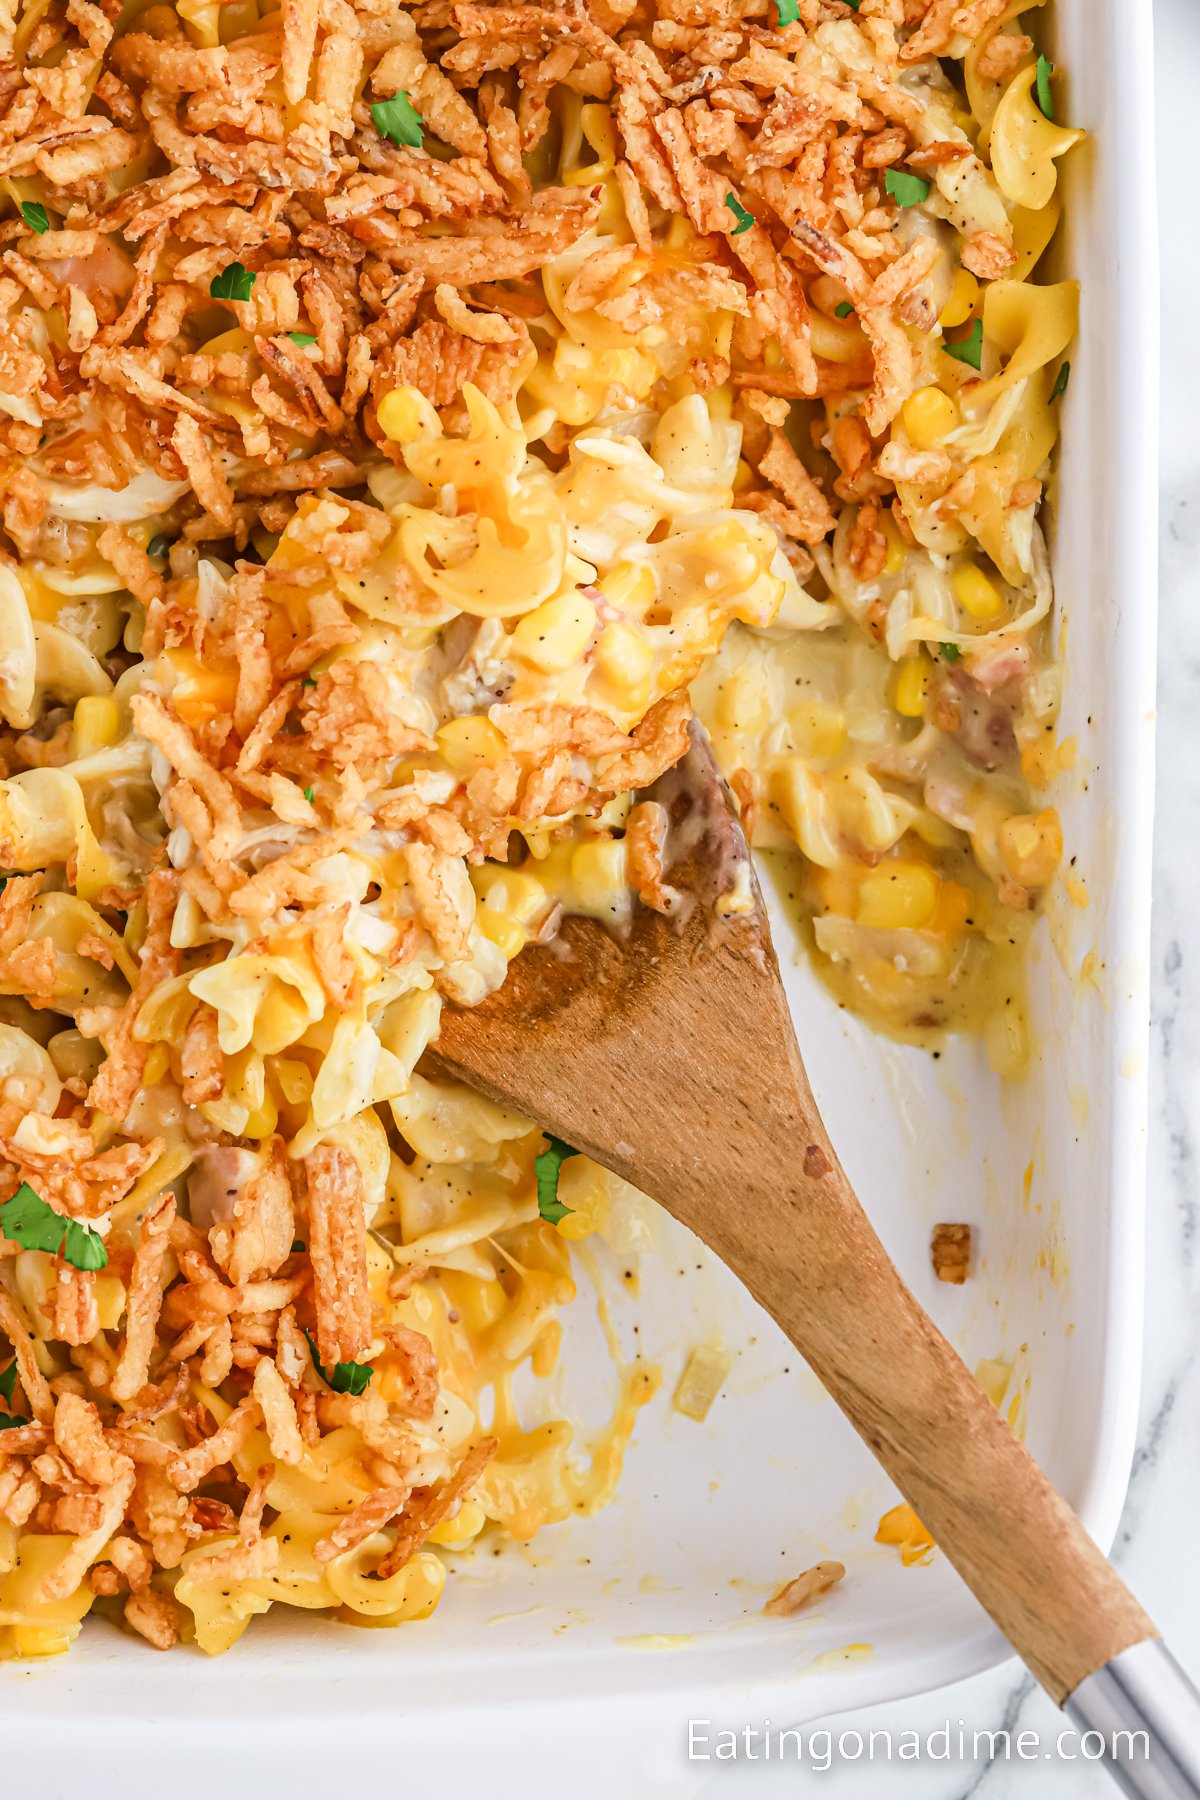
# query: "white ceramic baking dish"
[[577, 1664]]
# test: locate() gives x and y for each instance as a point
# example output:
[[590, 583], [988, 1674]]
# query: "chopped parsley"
[[308, 794], [28, 1221], [1060, 381], [744, 219], [843, 309], [1045, 99], [302, 338], [347, 1378], [35, 216], [789, 11], [298, 1244], [233, 283], [949, 652], [399, 120], [968, 349], [159, 544], [309, 681], [9, 1421], [905, 188], [546, 1167]]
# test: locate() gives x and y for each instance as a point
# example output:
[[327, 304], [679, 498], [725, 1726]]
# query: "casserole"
[[650, 1601]]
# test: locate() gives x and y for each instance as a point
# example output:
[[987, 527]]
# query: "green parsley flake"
[[303, 338], [233, 283], [399, 120], [843, 310], [298, 1244], [347, 1378], [546, 1167], [27, 1220], [159, 544], [9, 1421], [906, 189], [789, 11], [1060, 381], [1045, 99], [744, 219], [968, 349], [35, 216], [308, 681], [308, 794], [949, 652]]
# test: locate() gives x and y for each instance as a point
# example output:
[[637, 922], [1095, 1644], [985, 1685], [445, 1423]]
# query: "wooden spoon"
[[671, 1059]]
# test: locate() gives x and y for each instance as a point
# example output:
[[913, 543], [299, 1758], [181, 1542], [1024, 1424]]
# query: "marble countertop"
[[1155, 1547]]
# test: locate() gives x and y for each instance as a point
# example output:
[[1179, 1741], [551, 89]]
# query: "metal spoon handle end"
[[1148, 1713]]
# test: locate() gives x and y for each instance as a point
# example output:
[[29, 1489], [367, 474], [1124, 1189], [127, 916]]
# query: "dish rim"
[[1132, 377]]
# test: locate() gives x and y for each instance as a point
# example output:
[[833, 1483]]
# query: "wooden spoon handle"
[[989, 1507], [672, 1060]]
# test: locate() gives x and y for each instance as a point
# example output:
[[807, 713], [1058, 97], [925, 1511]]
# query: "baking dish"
[[598, 1645]]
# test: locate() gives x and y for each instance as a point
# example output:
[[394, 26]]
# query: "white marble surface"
[[1156, 1547]]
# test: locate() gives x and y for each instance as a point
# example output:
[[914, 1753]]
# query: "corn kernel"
[[817, 729], [912, 683], [743, 702], [598, 872], [509, 891], [110, 1297], [405, 415], [478, 1302], [896, 546], [262, 1121], [1031, 846], [469, 743], [97, 723], [929, 416], [555, 634], [466, 1524], [628, 369], [569, 400], [953, 910], [42, 1640], [963, 296], [898, 895], [837, 889], [630, 586], [975, 593], [623, 661], [508, 937]]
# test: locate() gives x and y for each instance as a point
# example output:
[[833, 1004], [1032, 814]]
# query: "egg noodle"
[[405, 408]]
